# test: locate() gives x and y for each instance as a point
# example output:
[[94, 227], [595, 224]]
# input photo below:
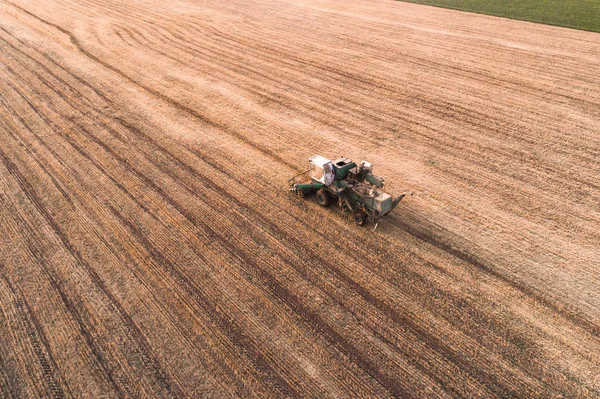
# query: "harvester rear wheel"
[[360, 219], [323, 198]]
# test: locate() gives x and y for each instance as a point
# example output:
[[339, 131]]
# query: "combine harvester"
[[354, 187]]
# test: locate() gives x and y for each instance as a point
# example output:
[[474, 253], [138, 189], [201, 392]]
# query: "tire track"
[[130, 327], [229, 327], [125, 191], [147, 181], [6, 389], [55, 282], [569, 314], [39, 343]]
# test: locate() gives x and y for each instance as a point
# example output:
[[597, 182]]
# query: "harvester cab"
[[321, 170], [353, 186]]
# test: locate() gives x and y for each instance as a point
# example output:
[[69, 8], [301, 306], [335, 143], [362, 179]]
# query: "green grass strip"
[[578, 14]]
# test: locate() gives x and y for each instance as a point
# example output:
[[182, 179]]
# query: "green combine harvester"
[[353, 186]]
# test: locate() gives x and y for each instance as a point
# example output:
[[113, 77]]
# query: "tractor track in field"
[[568, 314], [39, 343], [101, 360], [129, 325], [82, 152], [229, 327], [149, 247]]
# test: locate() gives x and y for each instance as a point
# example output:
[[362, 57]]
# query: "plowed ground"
[[149, 247]]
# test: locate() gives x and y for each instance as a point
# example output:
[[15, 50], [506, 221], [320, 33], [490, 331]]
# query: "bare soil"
[[149, 246]]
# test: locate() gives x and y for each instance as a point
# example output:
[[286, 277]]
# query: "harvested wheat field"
[[149, 246]]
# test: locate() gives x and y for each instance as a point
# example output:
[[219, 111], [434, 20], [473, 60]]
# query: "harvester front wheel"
[[323, 198], [360, 219]]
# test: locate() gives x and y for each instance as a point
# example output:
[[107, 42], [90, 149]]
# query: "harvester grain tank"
[[353, 186]]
